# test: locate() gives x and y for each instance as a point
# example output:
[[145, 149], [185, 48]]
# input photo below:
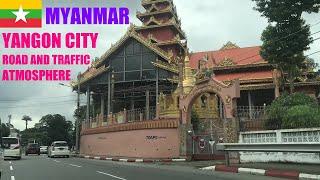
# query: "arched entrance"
[[227, 95]]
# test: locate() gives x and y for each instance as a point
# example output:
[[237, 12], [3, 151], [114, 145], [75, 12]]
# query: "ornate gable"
[[229, 45]]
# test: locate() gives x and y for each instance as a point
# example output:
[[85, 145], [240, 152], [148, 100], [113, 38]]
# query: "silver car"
[[43, 149]]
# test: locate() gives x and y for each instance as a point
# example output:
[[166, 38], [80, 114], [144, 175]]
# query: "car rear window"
[[9, 140], [6, 142], [33, 145], [60, 144]]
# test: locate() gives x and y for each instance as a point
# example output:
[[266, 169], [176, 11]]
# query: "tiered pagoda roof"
[[160, 23]]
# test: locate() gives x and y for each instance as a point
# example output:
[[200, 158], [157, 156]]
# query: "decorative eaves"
[[131, 33]]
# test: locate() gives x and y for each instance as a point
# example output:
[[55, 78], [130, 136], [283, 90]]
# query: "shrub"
[[301, 116], [280, 111]]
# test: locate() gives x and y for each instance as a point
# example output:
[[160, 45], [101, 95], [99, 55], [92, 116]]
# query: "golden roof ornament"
[[229, 45], [227, 62]]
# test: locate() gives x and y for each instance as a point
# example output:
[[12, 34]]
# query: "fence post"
[[141, 116], [278, 135], [125, 115], [227, 158]]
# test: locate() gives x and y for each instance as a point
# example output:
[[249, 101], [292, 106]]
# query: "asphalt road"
[[43, 168]]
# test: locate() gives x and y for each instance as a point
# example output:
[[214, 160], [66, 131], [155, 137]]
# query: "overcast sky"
[[208, 24]]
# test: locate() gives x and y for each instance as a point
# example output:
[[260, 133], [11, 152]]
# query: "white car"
[[43, 149], [59, 149], [11, 147]]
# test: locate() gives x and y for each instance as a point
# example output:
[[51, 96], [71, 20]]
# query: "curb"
[[131, 160], [263, 172]]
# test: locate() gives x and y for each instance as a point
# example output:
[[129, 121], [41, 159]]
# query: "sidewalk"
[[305, 168], [282, 170]]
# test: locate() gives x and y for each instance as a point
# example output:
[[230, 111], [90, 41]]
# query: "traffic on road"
[[34, 167]]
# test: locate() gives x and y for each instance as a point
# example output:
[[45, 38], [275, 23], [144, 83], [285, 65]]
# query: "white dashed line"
[[110, 175], [11, 168], [75, 165], [12, 178], [9, 162], [56, 161]]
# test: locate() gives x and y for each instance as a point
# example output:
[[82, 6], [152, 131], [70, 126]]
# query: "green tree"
[[57, 128], [287, 36], [38, 135], [26, 119], [4, 131]]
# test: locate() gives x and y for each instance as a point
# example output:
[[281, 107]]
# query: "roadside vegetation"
[[291, 111]]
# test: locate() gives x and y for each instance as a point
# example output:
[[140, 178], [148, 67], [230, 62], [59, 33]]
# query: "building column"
[[109, 94], [157, 94], [112, 93], [250, 104], [132, 104], [88, 107], [102, 109], [147, 105]]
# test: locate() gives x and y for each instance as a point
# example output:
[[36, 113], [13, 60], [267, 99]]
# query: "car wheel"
[[67, 156]]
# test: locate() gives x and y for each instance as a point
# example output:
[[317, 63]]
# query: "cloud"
[[208, 24]]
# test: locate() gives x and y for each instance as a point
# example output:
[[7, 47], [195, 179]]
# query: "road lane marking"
[[9, 162], [56, 161], [12, 178], [110, 175], [11, 168], [75, 165]]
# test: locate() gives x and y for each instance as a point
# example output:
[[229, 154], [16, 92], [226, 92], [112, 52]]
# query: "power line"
[[12, 100], [314, 52], [282, 39], [41, 104], [315, 33]]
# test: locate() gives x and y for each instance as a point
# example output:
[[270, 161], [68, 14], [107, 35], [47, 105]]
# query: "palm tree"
[[26, 118]]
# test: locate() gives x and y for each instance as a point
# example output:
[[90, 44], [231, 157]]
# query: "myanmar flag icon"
[[20, 13]]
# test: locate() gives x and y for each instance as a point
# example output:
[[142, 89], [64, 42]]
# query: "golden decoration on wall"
[[228, 99]]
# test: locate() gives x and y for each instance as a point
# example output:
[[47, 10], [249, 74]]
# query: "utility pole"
[[9, 120], [0, 133], [78, 116]]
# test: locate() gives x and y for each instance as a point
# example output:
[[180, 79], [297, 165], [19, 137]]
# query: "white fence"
[[283, 136]]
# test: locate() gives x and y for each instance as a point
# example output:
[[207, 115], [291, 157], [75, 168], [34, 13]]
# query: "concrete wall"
[[145, 143], [310, 158], [282, 136]]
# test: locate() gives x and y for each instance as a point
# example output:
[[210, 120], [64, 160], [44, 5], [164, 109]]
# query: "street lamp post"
[[77, 122]]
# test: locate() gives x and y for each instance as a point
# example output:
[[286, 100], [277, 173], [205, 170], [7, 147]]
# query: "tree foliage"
[[287, 35], [4, 130], [301, 116], [293, 111], [50, 128]]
